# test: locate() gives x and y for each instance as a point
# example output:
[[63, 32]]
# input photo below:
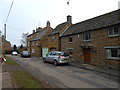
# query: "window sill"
[[114, 35], [70, 42], [86, 40], [114, 58]]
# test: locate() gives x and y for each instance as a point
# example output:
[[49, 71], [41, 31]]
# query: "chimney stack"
[[69, 20], [33, 31], [48, 24]]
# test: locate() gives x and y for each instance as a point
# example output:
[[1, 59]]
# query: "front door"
[[44, 52], [87, 55]]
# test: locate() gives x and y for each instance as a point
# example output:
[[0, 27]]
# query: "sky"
[[27, 15]]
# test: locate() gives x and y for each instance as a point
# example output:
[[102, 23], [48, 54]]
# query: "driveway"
[[64, 76]]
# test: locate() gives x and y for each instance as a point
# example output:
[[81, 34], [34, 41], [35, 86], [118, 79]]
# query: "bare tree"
[[24, 39]]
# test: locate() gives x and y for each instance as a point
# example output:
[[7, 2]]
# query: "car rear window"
[[63, 54], [25, 52]]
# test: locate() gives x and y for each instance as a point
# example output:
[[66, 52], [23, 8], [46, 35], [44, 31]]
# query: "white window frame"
[[84, 36], [113, 31], [109, 53], [33, 51]]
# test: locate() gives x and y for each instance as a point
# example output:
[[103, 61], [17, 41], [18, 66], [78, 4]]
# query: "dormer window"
[[113, 31]]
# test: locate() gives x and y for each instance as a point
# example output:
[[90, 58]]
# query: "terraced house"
[[5, 46], [95, 41], [53, 37], [38, 44]]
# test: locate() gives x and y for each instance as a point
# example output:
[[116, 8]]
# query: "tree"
[[24, 39], [14, 48]]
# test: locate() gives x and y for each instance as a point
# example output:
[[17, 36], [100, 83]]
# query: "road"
[[64, 76]]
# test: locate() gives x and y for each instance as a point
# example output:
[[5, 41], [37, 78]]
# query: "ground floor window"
[[52, 49], [33, 50], [113, 52], [70, 51]]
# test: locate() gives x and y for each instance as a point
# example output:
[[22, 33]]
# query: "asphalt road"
[[64, 76]]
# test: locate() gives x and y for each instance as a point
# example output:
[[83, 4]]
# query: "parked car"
[[14, 53], [57, 57], [25, 54]]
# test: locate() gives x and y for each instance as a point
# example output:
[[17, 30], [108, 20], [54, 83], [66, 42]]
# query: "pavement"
[[105, 70], [7, 81]]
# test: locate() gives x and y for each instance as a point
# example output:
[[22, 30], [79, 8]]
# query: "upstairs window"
[[86, 36], [113, 31], [32, 43], [70, 40], [52, 38], [36, 43]]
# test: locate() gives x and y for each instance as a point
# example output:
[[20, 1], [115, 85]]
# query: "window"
[[113, 31], [33, 50], [70, 40], [113, 53], [36, 43], [32, 43], [52, 38], [70, 51], [86, 36]]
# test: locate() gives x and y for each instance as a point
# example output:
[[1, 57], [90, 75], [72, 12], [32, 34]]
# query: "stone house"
[[30, 38], [39, 45], [6, 46], [94, 41], [53, 37]]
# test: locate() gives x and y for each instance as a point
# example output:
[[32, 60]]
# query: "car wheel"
[[44, 60], [55, 63]]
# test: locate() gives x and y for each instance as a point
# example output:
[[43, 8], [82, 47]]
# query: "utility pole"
[[0, 43], [4, 31]]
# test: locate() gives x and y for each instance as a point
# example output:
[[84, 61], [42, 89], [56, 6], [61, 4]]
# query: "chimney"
[[48, 24], [33, 31], [38, 29], [69, 20]]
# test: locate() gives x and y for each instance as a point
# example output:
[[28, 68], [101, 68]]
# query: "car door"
[[53, 56]]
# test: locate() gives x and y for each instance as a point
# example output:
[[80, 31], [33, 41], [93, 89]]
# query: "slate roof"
[[39, 35], [58, 28], [105, 20]]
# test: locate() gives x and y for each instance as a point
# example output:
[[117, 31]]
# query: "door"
[[87, 55], [44, 52]]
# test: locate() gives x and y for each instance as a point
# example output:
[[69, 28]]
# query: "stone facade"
[[53, 39], [6, 46], [39, 40], [102, 49]]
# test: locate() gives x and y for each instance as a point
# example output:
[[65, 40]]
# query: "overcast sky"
[[26, 15]]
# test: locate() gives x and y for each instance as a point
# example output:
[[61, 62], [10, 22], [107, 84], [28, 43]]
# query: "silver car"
[[57, 57]]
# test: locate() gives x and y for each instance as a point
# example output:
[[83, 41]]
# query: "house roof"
[[58, 28], [39, 35], [105, 20]]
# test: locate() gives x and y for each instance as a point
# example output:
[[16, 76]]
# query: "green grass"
[[25, 80], [10, 61]]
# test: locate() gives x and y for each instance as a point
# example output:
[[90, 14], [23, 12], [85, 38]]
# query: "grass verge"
[[24, 80], [21, 78], [10, 61]]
